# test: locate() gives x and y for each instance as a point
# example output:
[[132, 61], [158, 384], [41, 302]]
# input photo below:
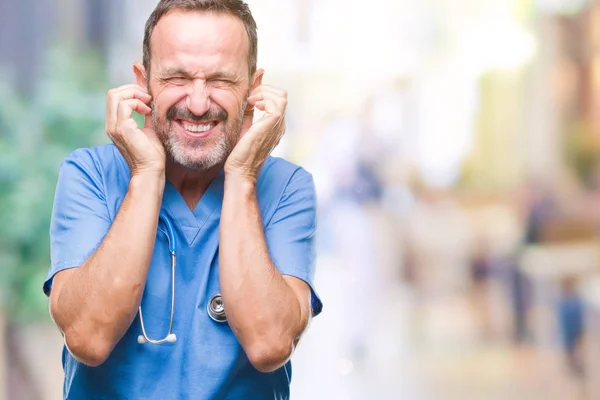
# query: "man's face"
[[199, 83]]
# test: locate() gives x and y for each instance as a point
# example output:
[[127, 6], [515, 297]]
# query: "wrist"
[[240, 182], [148, 182]]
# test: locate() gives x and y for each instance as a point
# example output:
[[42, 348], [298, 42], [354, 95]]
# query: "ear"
[[142, 80], [249, 111], [257, 79], [140, 74]]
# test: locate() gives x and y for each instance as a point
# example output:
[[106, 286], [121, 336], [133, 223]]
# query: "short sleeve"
[[290, 234], [80, 218]]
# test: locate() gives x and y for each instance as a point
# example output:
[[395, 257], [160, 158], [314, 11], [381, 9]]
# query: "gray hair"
[[236, 8]]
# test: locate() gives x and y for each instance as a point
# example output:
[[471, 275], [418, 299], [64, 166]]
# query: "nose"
[[198, 99]]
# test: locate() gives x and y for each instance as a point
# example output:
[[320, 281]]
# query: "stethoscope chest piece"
[[215, 308]]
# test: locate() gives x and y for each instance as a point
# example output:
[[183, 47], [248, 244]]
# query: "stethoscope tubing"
[[215, 308]]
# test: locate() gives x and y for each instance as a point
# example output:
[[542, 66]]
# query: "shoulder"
[[278, 172], [95, 161], [101, 170], [283, 185], [94, 157]]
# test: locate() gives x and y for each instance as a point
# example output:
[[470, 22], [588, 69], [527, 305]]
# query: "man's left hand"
[[258, 139]]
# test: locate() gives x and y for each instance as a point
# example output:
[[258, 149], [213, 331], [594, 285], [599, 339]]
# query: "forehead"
[[199, 41]]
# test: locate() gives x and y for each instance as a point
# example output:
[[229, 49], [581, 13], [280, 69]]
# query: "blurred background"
[[455, 146]]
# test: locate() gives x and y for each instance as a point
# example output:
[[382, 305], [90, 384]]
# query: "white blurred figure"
[[440, 239], [355, 192]]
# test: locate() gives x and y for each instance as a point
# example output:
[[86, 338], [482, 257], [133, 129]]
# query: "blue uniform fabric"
[[207, 361]]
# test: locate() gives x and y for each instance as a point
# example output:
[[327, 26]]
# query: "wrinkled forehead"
[[200, 42]]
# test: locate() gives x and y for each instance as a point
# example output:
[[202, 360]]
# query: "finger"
[[126, 86], [131, 93], [126, 108], [140, 106], [272, 113], [123, 93], [248, 118], [130, 86], [254, 97], [260, 105], [249, 110], [281, 101], [274, 90], [148, 120], [271, 106], [264, 90], [114, 91], [115, 96]]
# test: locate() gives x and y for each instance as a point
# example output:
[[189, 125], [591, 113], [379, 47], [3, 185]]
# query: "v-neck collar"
[[191, 222]]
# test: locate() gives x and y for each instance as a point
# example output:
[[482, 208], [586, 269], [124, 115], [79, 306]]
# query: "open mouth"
[[197, 130]]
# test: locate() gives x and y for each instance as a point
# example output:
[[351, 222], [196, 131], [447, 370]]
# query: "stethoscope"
[[214, 308]]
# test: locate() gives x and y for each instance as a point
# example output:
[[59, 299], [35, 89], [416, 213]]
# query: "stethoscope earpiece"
[[171, 338]]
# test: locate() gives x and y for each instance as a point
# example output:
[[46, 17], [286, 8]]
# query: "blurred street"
[[424, 350]]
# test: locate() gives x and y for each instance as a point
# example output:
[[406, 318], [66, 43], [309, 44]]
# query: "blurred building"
[[576, 85], [23, 37], [28, 28]]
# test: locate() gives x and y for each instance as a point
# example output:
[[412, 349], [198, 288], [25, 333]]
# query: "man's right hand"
[[141, 148], [95, 303]]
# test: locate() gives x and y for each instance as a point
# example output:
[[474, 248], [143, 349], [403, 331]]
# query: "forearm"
[[261, 307], [99, 300]]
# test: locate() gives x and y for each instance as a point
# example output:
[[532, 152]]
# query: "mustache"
[[212, 114]]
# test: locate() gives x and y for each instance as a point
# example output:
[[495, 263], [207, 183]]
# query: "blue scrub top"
[[207, 361]]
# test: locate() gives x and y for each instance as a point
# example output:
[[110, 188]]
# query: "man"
[[243, 222]]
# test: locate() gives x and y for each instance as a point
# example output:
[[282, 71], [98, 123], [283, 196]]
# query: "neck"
[[191, 184]]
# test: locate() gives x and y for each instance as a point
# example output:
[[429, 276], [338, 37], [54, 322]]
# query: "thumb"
[[248, 118], [148, 120], [150, 133]]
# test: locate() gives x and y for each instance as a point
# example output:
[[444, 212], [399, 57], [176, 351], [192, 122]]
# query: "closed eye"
[[176, 80], [221, 81]]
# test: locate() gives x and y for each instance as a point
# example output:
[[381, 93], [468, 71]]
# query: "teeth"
[[197, 128]]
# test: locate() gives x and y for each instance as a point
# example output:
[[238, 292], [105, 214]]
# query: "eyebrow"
[[176, 71], [221, 75]]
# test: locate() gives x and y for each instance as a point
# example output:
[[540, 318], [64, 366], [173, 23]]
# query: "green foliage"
[[36, 134]]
